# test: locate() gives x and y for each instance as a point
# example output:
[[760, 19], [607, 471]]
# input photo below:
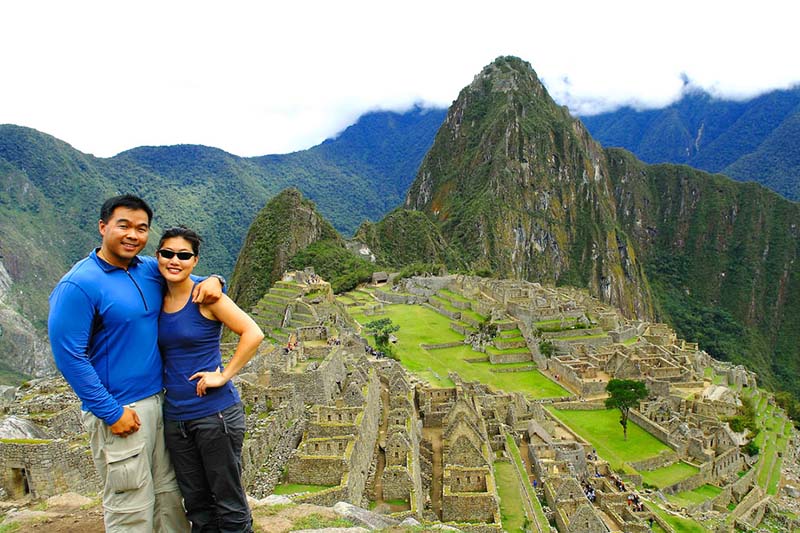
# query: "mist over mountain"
[[752, 140]]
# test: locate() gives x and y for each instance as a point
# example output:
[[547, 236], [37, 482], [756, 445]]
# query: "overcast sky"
[[257, 78]]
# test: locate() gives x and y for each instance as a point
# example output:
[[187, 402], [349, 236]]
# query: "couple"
[[123, 328]]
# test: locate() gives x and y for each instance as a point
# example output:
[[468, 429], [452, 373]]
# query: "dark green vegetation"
[[286, 225], [623, 394], [753, 140], [334, 263], [403, 237], [381, 330]]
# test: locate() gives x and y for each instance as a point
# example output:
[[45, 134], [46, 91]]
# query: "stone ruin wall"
[[272, 439], [348, 471], [318, 386], [464, 501], [50, 468]]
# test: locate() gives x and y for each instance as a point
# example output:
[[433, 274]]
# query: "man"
[[103, 329]]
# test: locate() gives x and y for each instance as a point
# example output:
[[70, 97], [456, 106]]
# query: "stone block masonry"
[[41, 469]]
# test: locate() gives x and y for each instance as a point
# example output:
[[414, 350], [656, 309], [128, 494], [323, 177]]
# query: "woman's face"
[[175, 269]]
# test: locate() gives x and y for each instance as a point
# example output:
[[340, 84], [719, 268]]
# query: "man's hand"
[[207, 291], [127, 425]]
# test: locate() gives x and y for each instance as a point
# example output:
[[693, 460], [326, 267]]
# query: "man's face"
[[124, 235]]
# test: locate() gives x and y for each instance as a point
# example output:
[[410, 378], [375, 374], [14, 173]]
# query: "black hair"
[[124, 200], [191, 237]]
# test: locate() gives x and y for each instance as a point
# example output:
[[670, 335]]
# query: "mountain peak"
[[519, 187], [287, 224]]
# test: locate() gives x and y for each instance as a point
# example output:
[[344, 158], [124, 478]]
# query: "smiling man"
[[103, 328]]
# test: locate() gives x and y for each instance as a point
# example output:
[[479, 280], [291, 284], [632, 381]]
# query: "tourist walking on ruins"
[[204, 418], [103, 329]]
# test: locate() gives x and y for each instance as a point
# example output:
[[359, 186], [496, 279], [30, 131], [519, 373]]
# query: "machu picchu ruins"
[[492, 419]]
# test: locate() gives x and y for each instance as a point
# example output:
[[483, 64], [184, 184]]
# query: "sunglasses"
[[169, 254]]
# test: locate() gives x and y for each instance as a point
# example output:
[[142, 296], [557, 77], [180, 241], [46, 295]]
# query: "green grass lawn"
[[421, 325], [492, 349], [453, 296], [669, 475], [516, 457], [473, 315], [511, 509], [699, 495], [436, 301], [601, 428], [579, 337], [678, 524], [294, 488]]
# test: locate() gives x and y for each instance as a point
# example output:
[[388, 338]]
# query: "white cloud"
[[254, 78]]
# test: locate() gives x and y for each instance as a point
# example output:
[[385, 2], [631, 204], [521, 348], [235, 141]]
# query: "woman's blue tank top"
[[189, 343]]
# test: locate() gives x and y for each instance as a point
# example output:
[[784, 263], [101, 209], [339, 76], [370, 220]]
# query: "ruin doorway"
[[19, 485]]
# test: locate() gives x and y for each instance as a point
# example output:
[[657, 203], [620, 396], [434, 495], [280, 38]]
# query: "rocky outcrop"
[[23, 348], [286, 225]]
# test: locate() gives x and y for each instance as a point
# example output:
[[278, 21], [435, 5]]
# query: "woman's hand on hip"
[[208, 380]]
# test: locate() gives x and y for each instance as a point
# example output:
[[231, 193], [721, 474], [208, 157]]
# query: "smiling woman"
[[203, 415]]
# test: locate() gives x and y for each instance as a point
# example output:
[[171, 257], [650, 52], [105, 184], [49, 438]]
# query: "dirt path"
[[434, 436], [523, 451], [53, 518]]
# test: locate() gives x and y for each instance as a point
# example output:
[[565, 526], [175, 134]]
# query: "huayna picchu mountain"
[[515, 184], [518, 187]]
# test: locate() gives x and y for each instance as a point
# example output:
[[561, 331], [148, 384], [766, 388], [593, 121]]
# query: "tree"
[[380, 331], [624, 394]]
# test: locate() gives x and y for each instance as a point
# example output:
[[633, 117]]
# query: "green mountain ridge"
[[51, 195], [751, 140]]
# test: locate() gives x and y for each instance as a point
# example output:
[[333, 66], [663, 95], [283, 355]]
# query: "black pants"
[[207, 456]]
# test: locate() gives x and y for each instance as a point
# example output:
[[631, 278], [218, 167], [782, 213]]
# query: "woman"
[[203, 415]]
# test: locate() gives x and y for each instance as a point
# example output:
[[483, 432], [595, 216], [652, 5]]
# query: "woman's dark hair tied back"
[[182, 231]]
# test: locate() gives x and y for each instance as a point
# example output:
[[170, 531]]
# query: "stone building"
[[336, 449]]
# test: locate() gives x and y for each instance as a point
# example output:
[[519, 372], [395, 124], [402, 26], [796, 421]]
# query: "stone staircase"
[[270, 311]]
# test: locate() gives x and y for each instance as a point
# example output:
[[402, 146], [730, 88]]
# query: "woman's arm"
[[250, 336]]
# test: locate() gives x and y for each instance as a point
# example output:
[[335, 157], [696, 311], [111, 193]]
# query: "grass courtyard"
[[511, 509], [697, 496], [420, 325], [669, 475], [602, 429]]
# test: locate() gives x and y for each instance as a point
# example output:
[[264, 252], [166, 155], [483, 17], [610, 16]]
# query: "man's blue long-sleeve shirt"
[[103, 329]]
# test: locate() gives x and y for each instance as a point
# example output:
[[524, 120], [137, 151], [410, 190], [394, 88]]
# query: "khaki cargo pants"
[[140, 493]]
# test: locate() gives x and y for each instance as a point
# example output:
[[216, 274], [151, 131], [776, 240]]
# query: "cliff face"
[[723, 260], [286, 225], [518, 186]]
